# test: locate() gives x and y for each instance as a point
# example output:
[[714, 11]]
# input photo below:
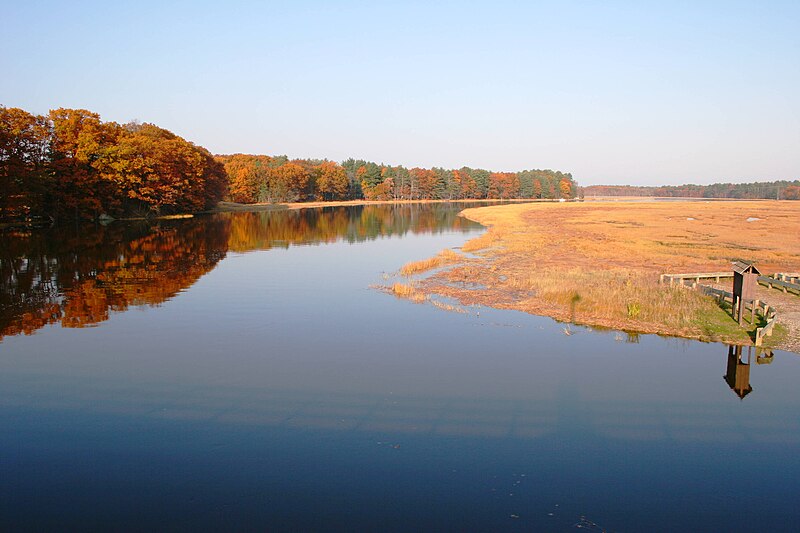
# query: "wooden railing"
[[768, 313], [787, 282], [791, 278], [765, 331], [681, 278]]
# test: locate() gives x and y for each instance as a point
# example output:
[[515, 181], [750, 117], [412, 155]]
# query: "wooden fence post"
[[738, 308]]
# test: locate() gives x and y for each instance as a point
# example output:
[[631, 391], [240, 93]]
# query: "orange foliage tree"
[[792, 192], [160, 172], [331, 182], [503, 185], [537, 189], [78, 141], [247, 174], [565, 188], [286, 183], [382, 191], [23, 153], [425, 181]]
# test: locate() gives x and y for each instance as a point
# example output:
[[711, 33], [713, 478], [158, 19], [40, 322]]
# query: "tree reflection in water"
[[76, 276]]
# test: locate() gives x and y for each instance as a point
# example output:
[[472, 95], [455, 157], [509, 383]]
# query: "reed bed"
[[618, 296], [409, 292], [446, 256]]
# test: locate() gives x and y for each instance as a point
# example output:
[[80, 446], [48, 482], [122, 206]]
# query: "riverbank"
[[225, 207], [234, 207], [598, 263]]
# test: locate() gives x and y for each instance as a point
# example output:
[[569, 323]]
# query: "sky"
[[614, 92]]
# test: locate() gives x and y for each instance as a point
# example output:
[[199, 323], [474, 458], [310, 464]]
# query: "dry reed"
[[409, 292], [446, 256]]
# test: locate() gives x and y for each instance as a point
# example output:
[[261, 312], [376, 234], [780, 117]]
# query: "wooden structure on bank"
[[746, 278], [745, 281]]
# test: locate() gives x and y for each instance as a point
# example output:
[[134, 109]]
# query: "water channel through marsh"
[[238, 372]]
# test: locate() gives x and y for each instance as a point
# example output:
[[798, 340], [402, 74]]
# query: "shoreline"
[[233, 207], [229, 207], [597, 264]]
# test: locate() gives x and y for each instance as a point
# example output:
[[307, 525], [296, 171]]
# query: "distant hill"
[[783, 190]]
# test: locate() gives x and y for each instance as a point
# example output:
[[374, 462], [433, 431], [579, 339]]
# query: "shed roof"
[[740, 267]]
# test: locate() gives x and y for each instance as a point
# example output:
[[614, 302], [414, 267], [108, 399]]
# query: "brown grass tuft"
[[409, 292], [446, 256]]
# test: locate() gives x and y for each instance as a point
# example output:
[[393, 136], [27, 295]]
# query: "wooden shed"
[[745, 281]]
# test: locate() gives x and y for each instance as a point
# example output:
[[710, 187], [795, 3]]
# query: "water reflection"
[[738, 371], [449, 415], [76, 276], [280, 229]]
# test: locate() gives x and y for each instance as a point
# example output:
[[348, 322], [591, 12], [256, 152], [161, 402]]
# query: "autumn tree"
[[70, 164], [426, 181], [78, 141], [285, 183], [481, 179], [565, 188], [23, 155], [503, 185], [332, 181], [246, 175], [159, 172]]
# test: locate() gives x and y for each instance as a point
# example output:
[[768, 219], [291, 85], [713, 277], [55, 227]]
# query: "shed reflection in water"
[[738, 372]]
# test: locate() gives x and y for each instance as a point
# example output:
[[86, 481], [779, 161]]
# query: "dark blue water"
[[239, 373]]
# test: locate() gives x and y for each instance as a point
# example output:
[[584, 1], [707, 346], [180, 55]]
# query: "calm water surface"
[[238, 372]]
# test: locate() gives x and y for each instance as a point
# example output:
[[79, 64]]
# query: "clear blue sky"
[[615, 92]]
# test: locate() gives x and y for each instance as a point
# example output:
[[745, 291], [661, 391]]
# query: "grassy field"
[[598, 263]]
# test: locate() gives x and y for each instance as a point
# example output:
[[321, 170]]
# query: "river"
[[241, 372]]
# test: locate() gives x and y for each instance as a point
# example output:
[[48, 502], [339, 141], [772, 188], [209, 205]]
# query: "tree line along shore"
[[69, 164], [772, 190]]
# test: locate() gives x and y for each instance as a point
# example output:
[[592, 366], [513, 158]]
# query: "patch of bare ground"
[[788, 307], [598, 263]]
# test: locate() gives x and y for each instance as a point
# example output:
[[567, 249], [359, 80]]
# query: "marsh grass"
[[446, 256], [623, 297], [409, 292], [598, 264]]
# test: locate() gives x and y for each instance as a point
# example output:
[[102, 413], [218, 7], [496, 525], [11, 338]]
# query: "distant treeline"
[[70, 164], [261, 178], [783, 190]]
